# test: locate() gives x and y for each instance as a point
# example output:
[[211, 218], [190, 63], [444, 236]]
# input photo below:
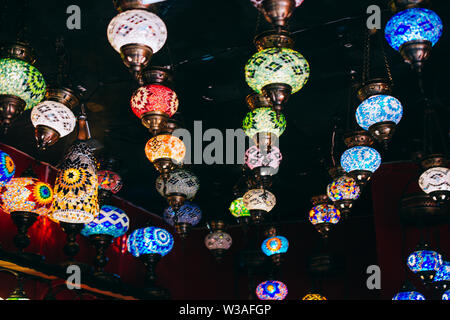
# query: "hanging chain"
[[386, 63], [366, 58], [258, 21]]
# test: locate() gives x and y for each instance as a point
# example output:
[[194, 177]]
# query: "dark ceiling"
[[209, 43]]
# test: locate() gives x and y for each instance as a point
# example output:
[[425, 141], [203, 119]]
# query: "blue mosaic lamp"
[[360, 162], [188, 216], [7, 168], [379, 114], [271, 290], [409, 295], [274, 246], [446, 295], [413, 32], [424, 262], [441, 279]]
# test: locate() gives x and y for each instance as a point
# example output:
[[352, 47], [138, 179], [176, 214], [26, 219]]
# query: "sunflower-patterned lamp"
[[7, 168], [22, 86], [25, 199]]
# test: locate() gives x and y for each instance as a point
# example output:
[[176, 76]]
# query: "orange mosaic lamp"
[[166, 152]]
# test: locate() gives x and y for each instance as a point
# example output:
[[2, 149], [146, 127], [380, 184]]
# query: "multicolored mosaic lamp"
[[22, 86], [150, 244], [323, 216], [424, 262], [271, 290], [109, 183], [441, 280], [188, 216], [360, 162], [110, 223], [136, 34], [53, 118], [239, 210], [343, 191], [218, 241], [264, 126], [277, 70], [264, 163], [436, 182], [166, 152], [7, 168], [259, 202], [180, 185], [274, 247], [379, 114], [153, 104], [25, 199], [414, 32], [314, 296]]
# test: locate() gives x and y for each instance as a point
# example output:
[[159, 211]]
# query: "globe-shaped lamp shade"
[[343, 188], [378, 108], [271, 290], [150, 240], [7, 168], [238, 209], [275, 245], [446, 295], [21, 79], [26, 194], [277, 65], [165, 146], [264, 120], [109, 180], [258, 3], [409, 295], [188, 213], [110, 221], [443, 272], [137, 27], [412, 25], [54, 115], [360, 158], [255, 158], [154, 98], [314, 296], [179, 181], [435, 179], [324, 213], [424, 261], [259, 199], [218, 240]]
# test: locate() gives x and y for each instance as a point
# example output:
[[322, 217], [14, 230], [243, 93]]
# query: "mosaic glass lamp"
[[314, 296], [180, 185], [264, 126], [259, 202], [446, 295], [166, 152], [109, 182], [424, 262], [153, 104], [274, 247], [150, 244], [276, 69], [25, 199], [360, 162], [343, 191], [409, 295], [414, 32], [436, 182], [441, 280], [7, 168], [218, 241], [264, 163], [271, 290], [239, 210], [323, 217], [379, 114], [188, 216], [137, 35]]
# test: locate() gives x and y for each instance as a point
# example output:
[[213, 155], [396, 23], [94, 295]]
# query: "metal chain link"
[[386, 63], [366, 58]]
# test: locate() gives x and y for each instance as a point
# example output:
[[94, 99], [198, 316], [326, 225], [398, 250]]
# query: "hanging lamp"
[[188, 216], [259, 202], [323, 215], [218, 241], [274, 246]]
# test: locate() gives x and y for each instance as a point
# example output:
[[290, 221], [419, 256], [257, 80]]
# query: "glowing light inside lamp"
[[259, 199], [218, 240], [277, 65], [412, 25], [238, 209], [314, 296], [343, 188], [110, 221], [7, 168], [150, 240], [137, 27], [443, 272], [275, 245], [446, 295], [26, 194], [378, 108], [263, 120], [154, 98], [435, 179], [324, 213], [21, 79], [360, 158], [165, 146], [409, 295], [188, 213], [255, 158], [271, 290], [424, 260], [180, 181], [54, 115]]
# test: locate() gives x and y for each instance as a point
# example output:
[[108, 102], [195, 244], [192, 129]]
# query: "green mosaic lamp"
[[22, 86], [276, 70]]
